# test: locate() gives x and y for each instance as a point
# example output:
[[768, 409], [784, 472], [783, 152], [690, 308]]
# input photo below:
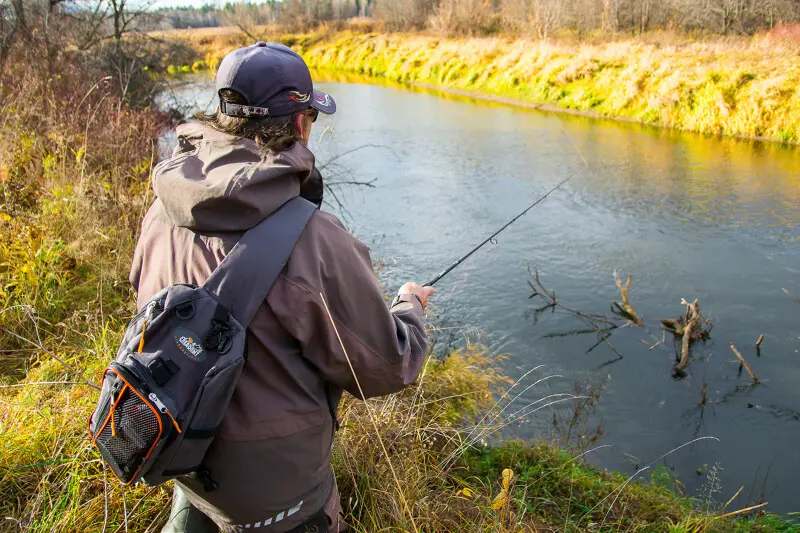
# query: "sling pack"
[[166, 392]]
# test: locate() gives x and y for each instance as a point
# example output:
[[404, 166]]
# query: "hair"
[[271, 134]]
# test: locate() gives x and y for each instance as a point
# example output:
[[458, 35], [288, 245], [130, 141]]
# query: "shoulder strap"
[[244, 278]]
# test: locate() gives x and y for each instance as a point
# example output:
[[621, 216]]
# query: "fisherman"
[[230, 170]]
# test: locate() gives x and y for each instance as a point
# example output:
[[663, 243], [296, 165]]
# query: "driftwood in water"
[[758, 345], [600, 324], [689, 328], [792, 296], [541, 291], [624, 308], [744, 364]]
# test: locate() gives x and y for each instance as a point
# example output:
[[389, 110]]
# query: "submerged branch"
[[758, 345], [539, 289], [688, 328], [792, 296], [744, 364], [624, 308]]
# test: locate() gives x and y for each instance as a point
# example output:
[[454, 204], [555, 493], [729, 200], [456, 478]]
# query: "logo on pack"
[[189, 344]]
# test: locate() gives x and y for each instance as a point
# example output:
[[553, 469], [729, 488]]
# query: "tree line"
[[537, 18], [98, 21], [541, 18]]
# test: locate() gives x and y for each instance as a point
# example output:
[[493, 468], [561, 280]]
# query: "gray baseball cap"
[[274, 81]]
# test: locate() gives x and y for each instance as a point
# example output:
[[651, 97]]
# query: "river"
[[686, 216]]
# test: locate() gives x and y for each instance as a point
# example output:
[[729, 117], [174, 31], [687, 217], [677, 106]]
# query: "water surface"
[[686, 216]]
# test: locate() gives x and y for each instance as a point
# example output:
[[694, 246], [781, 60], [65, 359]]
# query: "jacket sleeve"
[[386, 347]]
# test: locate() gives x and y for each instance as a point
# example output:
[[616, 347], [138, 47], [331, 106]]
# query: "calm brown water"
[[686, 216]]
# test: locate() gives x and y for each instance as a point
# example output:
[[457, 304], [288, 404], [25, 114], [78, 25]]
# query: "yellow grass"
[[743, 87]]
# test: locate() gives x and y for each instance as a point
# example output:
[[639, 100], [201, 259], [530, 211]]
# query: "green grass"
[[561, 491]]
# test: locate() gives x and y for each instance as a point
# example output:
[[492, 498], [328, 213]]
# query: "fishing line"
[[496, 233]]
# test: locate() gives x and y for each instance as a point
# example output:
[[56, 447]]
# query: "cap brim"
[[323, 102]]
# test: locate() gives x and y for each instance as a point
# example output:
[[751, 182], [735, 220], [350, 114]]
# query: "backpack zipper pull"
[[141, 341], [114, 392], [163, 408]]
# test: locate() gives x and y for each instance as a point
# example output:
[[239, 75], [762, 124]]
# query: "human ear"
[[299, 124]]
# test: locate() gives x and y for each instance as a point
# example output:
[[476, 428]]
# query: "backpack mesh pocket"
[[127, 429]]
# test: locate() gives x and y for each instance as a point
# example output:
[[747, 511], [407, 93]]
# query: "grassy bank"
[[75, 158], [743, 87]]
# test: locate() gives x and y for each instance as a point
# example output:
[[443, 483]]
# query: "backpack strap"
[[245, 276]]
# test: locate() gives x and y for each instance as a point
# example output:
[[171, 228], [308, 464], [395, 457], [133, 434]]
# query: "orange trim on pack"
[[148, 404], [110, 415]]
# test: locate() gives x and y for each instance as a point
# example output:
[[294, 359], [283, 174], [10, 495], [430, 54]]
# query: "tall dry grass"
[[739, 86], [75, 158], [743, 88]]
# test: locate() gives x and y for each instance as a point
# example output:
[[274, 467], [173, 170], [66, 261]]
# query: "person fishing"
[[231, 170]]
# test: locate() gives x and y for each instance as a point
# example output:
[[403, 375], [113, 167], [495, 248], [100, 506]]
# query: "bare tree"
[[364, 7], [404, 14], [536, 17], [248, 17], [610, 21]]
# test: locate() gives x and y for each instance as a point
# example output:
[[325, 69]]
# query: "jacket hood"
[[218, 182]]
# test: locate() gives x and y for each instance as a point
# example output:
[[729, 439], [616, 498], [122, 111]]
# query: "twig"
[[624, 308], [704, 390], [125, 511], [744, 363], [40, 383], [135, 507], [371, 417], [571, 333], [758, 345], [105, 498], [673, 326], [540, 290], [792, 296], [370, 183], [51, 354], [348, 152], [244, 30], [742, 511], [663, 339], [590, 511]]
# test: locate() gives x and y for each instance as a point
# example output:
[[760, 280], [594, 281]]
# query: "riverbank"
[[743, 87], [75, 183]]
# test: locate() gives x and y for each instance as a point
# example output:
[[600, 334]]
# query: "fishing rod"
[[496, 233]]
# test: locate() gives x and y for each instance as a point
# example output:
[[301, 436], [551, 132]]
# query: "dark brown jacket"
[[272, 456]]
